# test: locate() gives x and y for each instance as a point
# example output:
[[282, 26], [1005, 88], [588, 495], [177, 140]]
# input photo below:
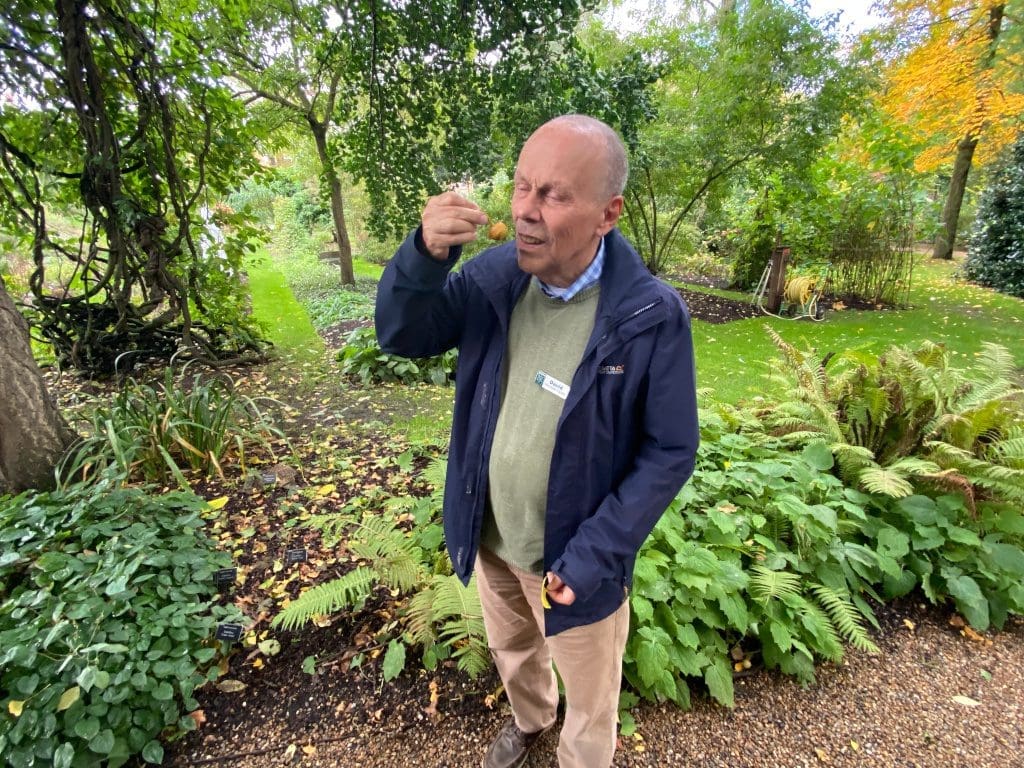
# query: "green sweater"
[[545, 345]]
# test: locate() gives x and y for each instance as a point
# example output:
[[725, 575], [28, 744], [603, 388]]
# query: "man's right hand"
[[449, 219]]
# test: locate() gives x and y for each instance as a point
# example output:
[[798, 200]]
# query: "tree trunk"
[[33, 434], [337, 204], [946, 236]]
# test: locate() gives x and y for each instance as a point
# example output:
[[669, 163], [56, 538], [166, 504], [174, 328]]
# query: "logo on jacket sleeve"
[[612, 370]]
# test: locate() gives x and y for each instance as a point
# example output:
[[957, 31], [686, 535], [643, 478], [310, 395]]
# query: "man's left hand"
[[558, 591]]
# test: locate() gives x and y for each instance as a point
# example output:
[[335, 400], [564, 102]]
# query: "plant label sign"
[[229, 632], [224, 578], [299, 555]]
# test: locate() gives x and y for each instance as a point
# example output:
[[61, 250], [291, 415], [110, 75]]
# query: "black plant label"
[[229, 632]]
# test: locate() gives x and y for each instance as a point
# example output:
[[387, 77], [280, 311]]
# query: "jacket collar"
[[625, 281]]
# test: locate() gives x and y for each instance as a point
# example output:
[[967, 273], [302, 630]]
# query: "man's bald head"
[[615, 161]]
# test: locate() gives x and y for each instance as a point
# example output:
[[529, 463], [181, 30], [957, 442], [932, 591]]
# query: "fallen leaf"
[[309, 750], [15, 707], [199, 716], [258, 664], [431, 708], [290, 752], [855, 746], [822, 755], [231, 686], [966, 701], [326, 490], [69, 697], [217, 503], [957, 621], [270, 647], [909, 624]]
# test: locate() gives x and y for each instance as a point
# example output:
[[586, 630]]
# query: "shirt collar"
[[590, 276]]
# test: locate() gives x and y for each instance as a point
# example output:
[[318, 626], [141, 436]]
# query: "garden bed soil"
[[934, 697]]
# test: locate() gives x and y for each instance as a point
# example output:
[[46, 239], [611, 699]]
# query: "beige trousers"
[[588, 658]]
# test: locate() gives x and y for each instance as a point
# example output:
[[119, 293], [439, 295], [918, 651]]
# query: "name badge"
[[552, 385]]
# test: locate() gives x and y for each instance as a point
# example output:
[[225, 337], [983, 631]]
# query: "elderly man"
[[575, 422]]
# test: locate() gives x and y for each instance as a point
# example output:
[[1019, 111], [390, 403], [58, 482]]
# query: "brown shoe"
[[511, 746]]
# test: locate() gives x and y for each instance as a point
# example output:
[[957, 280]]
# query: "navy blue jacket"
[[627, 436]]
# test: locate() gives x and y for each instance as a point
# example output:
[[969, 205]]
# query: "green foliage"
[[350, 302], [908, 419], [363, 357], [149, 266], [750, 553], [759, 90], [153, 433], [106, 624], [996, 254], [442, 616], [257, 196], [766, 552], [853, 208]]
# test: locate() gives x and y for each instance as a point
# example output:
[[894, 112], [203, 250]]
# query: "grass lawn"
[[275, 307], [733, 358]]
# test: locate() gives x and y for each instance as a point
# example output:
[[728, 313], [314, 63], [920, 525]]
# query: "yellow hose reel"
[[798, 290]]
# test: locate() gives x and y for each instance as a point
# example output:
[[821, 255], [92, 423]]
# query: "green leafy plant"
[[906, 419], [362, 357], [106, 622], [152, 433], [442, 616], [749, 560]]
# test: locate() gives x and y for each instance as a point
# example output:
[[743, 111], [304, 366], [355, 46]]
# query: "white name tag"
[[552, 385]]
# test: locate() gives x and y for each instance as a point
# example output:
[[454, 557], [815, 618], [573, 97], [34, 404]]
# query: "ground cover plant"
[[362, 357], [106, 622]]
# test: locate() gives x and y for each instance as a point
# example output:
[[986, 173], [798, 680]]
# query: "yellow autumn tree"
[[953, 86]]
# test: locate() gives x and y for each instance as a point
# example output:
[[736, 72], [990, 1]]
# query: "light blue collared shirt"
[[590, 276]]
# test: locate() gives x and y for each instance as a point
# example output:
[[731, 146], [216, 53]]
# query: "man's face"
[[560, 205]]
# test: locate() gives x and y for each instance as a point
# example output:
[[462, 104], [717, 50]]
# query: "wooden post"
[[777, 277]]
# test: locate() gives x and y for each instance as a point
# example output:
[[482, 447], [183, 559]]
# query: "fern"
[[886, 482], [322, 600], [445, 611], [845, 616], [767, 585]]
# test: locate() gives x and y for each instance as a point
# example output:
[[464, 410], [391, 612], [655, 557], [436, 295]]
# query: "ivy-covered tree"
[[996, 254], [116, 137], [404, 96]]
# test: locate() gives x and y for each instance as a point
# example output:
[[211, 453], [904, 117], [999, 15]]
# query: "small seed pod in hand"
[[498, 231]]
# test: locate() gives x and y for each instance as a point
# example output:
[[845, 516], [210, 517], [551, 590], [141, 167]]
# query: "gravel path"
[[897, 708]]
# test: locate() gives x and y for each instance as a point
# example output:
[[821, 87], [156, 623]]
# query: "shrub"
[[996, 254], [151, 433], [106, 624], [326, 308], [766, 553], [362, 357]]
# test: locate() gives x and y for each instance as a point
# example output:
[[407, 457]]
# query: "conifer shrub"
[[996, 255]]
